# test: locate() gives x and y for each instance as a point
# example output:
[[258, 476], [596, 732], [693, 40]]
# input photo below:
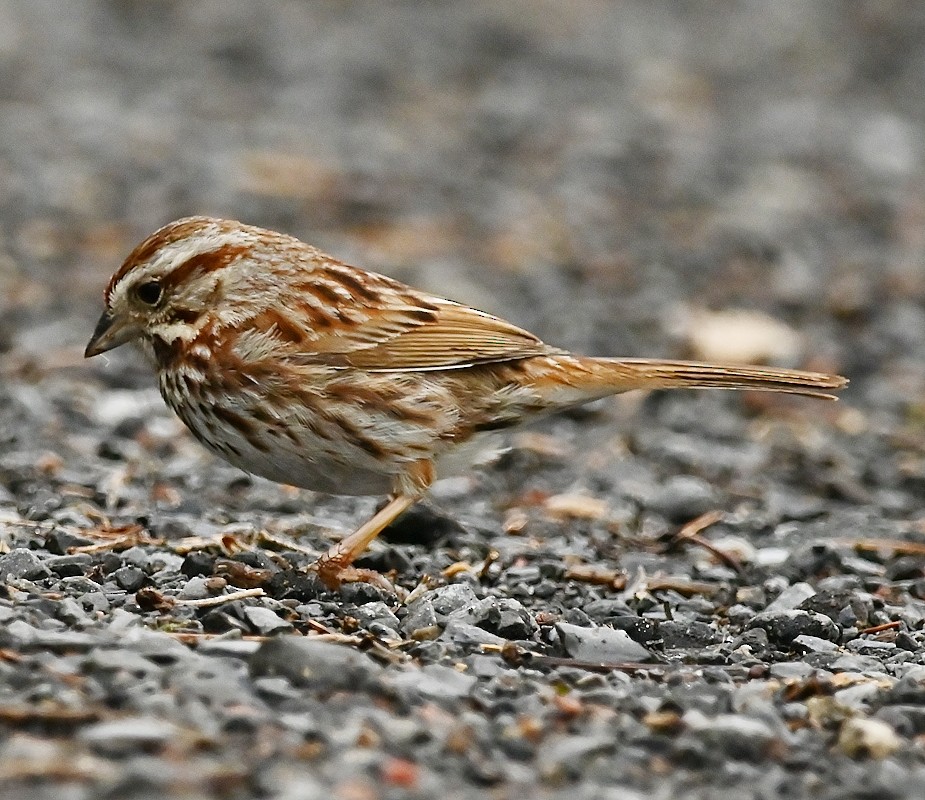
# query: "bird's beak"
[[110, 332]]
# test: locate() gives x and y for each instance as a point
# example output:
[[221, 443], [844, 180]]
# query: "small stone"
[[771, 557], [734, 735], [604, 611], [600, 645], [563, 756], [121, 620], [56, 640], [222, 620], [469, 636], [376, 612], [385, 633], [852, 663], [783, 627], [871, 738], [447, 599], [833, 603], [22, 564], [293, 584], [790, 670], [577, 616], [198, 563], [264, 621], [80, 584], [529, 574], [69, 566], [129, 578], [125, 737], [910, 688], [94, 601], [859, 696], [813, 644], [575, 506], [361, 593], [109, 659], [137, 557], [234, 648], [276, 688], [60, 541], [687, 634], [683, 498], [907, 720], [71, 612], [502, 616], [195, 589], [321, 666], [420, 616], [639, 629], [433, 682], [871, 647], [791, 597]]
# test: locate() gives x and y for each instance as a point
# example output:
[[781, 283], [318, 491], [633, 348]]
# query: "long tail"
[[623, 374]]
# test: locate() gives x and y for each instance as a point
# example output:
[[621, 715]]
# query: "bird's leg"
[[334, 567]]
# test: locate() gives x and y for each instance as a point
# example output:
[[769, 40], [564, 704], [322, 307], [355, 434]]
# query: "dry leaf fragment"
[[575, 506]]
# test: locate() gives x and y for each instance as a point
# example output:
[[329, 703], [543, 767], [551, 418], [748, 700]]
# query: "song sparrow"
[[295, 366]]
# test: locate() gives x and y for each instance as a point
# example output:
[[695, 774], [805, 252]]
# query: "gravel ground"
[[687, 595]]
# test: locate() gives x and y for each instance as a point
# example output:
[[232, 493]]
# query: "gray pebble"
[[120, 659], [676, 634], [129, 578], [235, 648], [783, 627], [852, 663], [683, 497], [94, 601], [466, 635], [138, 557], [503, 616], [127, 736], [70, 565], [376, 611], [814, 644], [322, 666], [735, 735], [870, 647], [564, 756], [447, 599], [22, 564], [420, 616], [791, 597], [432, 681], [72, 612], [600, 645], [264, 621], [788, 670], [195, 589], [60, 540]]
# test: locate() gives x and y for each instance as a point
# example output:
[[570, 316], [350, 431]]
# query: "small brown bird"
[[295, 366]]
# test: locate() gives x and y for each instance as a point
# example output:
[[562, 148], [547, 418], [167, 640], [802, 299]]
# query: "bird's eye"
[[149, 293]]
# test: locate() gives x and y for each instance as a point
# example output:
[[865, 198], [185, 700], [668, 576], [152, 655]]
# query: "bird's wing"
[[348, 317]]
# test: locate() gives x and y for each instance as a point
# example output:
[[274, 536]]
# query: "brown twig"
[[690, 532], [207, 602], [886, 626]]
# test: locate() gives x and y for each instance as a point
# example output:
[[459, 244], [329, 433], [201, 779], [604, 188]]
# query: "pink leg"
[[334, 566]]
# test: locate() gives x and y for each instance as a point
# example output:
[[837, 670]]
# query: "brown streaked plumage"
[[305, 370]]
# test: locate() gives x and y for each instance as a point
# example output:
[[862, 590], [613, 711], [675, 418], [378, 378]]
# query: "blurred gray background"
[[590, 169], [621, 178]]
